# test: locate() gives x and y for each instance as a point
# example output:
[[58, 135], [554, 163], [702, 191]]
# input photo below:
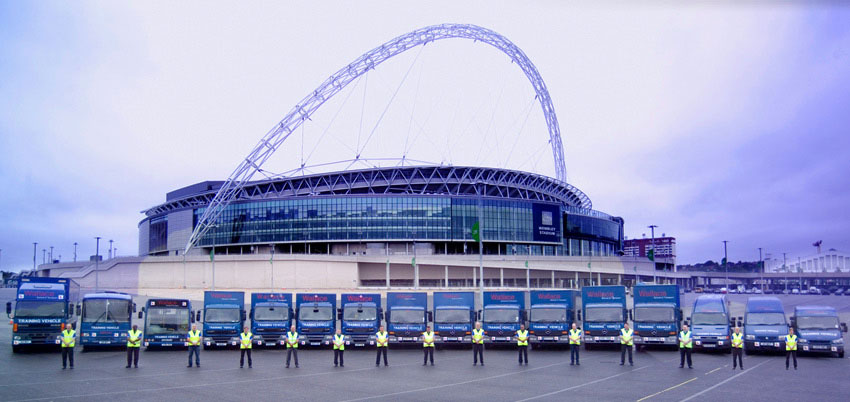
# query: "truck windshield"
[[106, 311], [654, 314], [271, 313], [452, 316], [548, 314], [765, 319], [323, 313], [407, 317], [360, 314], [221, 315], [709, 319], [40, 309], [166, 321], [501, 315], [817, 322], [604, 314]]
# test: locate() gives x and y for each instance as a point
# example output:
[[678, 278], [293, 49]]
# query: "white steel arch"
[[275, 137]]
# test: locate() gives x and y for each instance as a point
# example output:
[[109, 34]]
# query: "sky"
[[713, 120]]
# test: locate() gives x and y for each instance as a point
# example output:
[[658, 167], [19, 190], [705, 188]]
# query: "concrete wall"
[[179, 228]]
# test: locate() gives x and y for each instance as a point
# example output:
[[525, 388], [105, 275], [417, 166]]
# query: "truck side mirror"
[[140, 315], [380, 315], [79, 309], [430, 316], [523, 315], [134, 307], [843, 327], [479, 315], [578, 313], [740, 318], [630, 315], [681, 314], [243, 315], [793, 322], [339, 314], [8, 308], [198, 315]]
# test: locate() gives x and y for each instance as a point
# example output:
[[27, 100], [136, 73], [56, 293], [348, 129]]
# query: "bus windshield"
[[106, 311], [167, 320]]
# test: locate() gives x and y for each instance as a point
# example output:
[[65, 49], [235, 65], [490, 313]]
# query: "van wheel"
[[841, 355], [747, 352]]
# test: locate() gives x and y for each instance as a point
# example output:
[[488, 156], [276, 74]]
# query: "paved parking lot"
[[101, 376]]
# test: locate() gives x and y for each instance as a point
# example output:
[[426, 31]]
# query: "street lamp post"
[[75, 251], [726, 264], [97, 264], [652, 243], [785, 268], [43, 256], [51, 254], [271, 261], [110, 249], [481, 245], [761, 268], [34, 251]]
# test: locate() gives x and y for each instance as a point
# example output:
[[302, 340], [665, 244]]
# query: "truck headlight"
[[781, 337], [392, 338], [750, 337], [838, 341], [257, 337], [804, 341], [467, 338], [346, 338], [565, 338], [116, 334], [696, 338]]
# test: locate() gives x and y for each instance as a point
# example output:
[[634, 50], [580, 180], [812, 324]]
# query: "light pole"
[[34, 251], [726, 265], [800, 270], [110, 249], [652, 243], [271, 261], [43, 256], [761, 268], [51, 254], [75, 251], [97, 264], [480, 244], [785, 268]]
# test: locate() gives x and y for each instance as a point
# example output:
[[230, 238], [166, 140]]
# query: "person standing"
[[194, 340], [522, 344], [68, 341], [790, 347], [134, 343], [737, 348], [686, 345], [382, 341], [428, 345], [245, 344], [477, 344], [292, 346], [575, 344], [626, 343], [339, 348]]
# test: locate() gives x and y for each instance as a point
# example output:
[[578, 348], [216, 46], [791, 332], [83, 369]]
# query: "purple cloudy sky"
[[714, 120]]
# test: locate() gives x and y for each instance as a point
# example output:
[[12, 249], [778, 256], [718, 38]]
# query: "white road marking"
[[581, 385], [723, 382]]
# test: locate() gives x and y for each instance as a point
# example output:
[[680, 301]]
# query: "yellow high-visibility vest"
[[790, 342], [245, 340], [291, 340], [382, 339], [522, 338], [195, 338], [738, 341], [575, 337], [685, 340], [134, 338], [478, 336], [69, 339], [627, 337], [339, 342], [428, 339]]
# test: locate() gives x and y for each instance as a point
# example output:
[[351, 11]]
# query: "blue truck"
[[224, 316], [818, 330], [407, 316], [551, 314], [765, 326], [167, 323], [454, 316], [360, 315], [711, 324], [657, 315], [316, 314], [604, 311], [271, 317], [106, 319], [43, 307], [502, 314]]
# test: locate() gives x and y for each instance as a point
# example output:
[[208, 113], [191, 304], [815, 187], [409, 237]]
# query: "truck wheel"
[[841, 355], [747, 352], [16, 349], [587, 346]]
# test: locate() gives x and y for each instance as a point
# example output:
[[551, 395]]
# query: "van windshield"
[[709, 319], [765, 319], [817, 322]]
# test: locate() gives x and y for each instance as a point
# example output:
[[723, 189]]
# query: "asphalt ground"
[[163, 375]]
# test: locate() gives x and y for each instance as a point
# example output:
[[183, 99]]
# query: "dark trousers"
[[289, 353], [477, 352], [429, 352], [523, 353], [381, 351], [788, 355], [682, 353], [574, 353], [242, 357], [338, 357], [67, 356], [737, 360], [133, 356], [623, 349], [195, 350]]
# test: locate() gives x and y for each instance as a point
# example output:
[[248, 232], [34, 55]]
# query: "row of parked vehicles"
[[45, 305], [833, 290]]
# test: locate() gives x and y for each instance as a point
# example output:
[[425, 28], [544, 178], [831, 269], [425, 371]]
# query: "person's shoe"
[[335, 365], [189, 366], [198, 365], [249, 366], [128, 366], [474, 364], [377, 365], [287, 366], [482, 363], [681, 366], [631, 364], [578, 364], [296, 366], [425, 364], [795, 367], [136, 366], [385, 364], [63, 367], [72, 367], [690, 367], [786, 367], [241, 366], [621, 364], [342, 365], [432, 363]]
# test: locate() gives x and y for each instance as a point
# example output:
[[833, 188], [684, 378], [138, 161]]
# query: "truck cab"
[[818, 330], [454, 315], [43, 307], [167, 322], [360, 316], [106, 318], [407, 316], [502, 314], [316, 314], [711, 323], [657, 315], [551, 314], [765, 326], [604, 312], [224, 316], [271, 318]]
